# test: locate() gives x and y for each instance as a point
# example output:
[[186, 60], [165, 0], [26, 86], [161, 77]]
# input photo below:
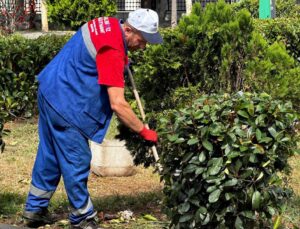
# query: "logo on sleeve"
[[100, 25]]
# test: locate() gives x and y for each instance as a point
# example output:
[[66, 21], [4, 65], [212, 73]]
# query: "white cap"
[[146, 21]]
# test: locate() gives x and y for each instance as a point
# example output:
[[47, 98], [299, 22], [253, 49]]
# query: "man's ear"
[[127, 29]]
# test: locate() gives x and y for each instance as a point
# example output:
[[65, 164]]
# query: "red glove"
[[149, 135]]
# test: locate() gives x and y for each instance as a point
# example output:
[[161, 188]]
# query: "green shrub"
[[210, 51], [21, 60], [285, 30], [284, 8], [221, 155], [273, 70], [74, 13], [221, 50]]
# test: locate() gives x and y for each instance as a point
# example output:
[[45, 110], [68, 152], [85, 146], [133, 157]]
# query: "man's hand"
[[148, 135]]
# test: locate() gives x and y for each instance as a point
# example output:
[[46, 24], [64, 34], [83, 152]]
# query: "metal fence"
[[181, 3], [128, 5], [25, 6]]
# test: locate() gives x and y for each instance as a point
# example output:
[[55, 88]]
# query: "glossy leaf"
[[214, 196], [207, 145], [256, 199]]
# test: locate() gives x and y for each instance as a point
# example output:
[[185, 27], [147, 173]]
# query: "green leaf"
[[206, 220], [192, 141], [202, 157], [149, 217], [199, 171], [211, 189], [207, 145], [183, 208], [256, 199], [238, 224], [190, 169], [214, 196], [248, 172], [272, 131], [233, 154], [199, 114], [204, 131], [228, 196], [175, 65], [258, 148], [265, 140], [179, 140], [243, 113], [206, 108], [250, 109], [271, 210], [285, 139], [201, 210], [173, 138], [215, 165], [249, 214], [253, 158], [232, 136], [185, 218], [231, 182], [260, 176], [258, 134]]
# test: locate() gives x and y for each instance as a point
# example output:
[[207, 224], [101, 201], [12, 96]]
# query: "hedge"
[[21, 60], [219, 52], [221, 155], [71, 14]]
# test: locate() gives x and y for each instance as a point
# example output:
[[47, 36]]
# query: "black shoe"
[[37, 219], [91, 222]]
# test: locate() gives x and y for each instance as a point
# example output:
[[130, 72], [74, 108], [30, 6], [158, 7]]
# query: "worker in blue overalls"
[[78, 92]]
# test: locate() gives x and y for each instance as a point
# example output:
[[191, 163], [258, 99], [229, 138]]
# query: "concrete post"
[[45, 27], [188, 5], [174, 14]]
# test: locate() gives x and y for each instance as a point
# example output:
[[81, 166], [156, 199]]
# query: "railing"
[[128, 5]]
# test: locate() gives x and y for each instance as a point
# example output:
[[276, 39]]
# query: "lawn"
[[140, 193]]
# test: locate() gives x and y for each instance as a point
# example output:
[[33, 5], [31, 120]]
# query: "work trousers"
[[62, 151]]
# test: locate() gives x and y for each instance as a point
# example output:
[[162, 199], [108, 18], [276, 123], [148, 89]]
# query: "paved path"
[[36, 34], [6, 226]]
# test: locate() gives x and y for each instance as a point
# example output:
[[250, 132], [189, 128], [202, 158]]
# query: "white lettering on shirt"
[[101, 26], [95, 27], [107, 24]]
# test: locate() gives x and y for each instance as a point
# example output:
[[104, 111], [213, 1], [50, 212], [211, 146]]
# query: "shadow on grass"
[[11, 203], [147, 202], [291, 215]]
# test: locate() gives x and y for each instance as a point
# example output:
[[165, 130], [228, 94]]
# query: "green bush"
[[284, 8], [21, 60], [218, 50], [221, 50], [211, 51], [74, 13], [221, 155], [285, 30]]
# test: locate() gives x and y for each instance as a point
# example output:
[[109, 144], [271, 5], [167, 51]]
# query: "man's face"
[[134, 40]]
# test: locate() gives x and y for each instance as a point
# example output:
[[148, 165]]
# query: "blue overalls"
[[73, 108]]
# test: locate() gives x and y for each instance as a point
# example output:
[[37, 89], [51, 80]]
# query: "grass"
[[140, 193]]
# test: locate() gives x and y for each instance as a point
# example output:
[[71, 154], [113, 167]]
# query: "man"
[[78, 92]]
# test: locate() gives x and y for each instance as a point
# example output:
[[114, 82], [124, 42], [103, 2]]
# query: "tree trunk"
[[188, 6], [174, 14]]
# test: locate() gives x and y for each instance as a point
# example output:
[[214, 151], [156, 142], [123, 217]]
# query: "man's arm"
[[126, 115], [123, 110]]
